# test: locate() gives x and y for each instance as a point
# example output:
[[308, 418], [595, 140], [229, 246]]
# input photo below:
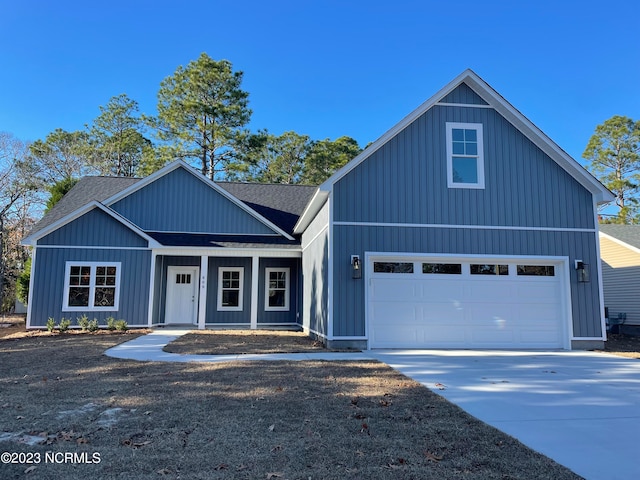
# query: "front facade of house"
[[461, 227], [172, 249]]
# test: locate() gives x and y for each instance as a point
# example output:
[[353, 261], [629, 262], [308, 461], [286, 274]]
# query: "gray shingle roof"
[[280, 204], [629, 234], [85, 191]]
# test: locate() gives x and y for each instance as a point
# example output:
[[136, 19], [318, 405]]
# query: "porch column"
[[255, 271], [202, 297]]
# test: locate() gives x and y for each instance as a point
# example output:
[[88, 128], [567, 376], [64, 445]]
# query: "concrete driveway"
[[580, 408]]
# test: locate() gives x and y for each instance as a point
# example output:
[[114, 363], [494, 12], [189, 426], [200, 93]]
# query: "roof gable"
[[470, 90], [62, 231], [179, 199]]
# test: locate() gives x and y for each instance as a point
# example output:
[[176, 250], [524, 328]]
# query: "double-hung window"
[[277, 289], [91, 286], [230, 288], [465, 155]]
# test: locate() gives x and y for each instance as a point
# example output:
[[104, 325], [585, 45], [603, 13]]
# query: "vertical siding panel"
[[183, 203]]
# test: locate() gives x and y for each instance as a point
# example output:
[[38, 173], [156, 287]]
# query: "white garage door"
[[466, 303]]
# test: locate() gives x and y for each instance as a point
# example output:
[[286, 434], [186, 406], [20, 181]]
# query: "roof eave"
[[311, 210]]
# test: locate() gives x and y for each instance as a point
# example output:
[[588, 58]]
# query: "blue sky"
[[323, 68]]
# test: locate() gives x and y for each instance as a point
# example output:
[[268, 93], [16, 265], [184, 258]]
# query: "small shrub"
[[93, 325], [121, 325], [51, 324], [65, 323], [111, 323], [83, 322]]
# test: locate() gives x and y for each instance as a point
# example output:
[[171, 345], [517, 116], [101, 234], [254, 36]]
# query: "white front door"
[[182, 295]]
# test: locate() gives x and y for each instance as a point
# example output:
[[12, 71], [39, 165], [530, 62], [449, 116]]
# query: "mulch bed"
[[235, 342], [622, 345]]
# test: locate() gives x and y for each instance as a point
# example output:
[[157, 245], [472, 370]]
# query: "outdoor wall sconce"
[[356, 266], [583, 271]]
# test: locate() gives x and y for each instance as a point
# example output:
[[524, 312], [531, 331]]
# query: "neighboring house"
[[620, 254], [459, 228]]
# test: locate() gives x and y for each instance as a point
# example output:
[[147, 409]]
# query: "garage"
[[453, 302]]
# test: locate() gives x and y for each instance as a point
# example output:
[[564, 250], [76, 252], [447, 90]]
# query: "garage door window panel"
[[536, 270], [393, 267], [442, 268], [489, 269]]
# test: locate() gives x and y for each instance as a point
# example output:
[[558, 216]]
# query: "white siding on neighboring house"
[[621, 279]]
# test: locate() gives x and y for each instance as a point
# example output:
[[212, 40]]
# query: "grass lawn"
[[237, 420]]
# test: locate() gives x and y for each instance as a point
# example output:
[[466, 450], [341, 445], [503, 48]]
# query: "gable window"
[[465, 155], [91, 286], [277, 289], [230, 288]]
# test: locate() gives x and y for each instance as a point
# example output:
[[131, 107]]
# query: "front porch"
[[229, 289]]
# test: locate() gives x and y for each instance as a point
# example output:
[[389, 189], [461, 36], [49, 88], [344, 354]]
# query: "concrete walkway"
[[581, 409], [148, 348]]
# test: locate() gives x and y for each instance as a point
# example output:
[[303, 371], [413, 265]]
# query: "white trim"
[[31, 280], [479, 157], [228, 252], [562, 274], [315, 204], [603, 320], [466, 105], [33, 239], [604, 338], [240, 289], [255, 273], [152, 285], [179, 163], [202, 298], [287, 288], [330, 268], [470, 227], [92, 286], [311, 242]]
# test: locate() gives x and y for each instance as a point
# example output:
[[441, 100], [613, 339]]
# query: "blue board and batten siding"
[[108, 241], [405, 182], [94, 228], [315, 273], [180, 202]]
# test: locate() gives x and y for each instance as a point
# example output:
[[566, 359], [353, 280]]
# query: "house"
[[620, 254], [464, 226]]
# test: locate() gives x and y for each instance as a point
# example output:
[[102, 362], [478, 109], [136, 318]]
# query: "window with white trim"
[[277, 289], [465, 155], [230, 288], [91, 286]]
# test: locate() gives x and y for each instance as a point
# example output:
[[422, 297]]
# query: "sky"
[[323, 68]]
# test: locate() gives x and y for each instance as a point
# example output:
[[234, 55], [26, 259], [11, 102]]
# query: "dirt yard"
[[239, 420]]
